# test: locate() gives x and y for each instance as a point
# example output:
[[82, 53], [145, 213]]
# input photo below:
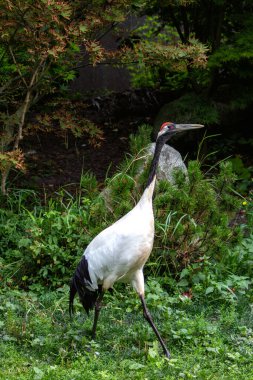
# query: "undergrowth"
[[196, 243]]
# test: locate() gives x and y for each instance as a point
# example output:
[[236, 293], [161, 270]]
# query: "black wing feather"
[[80, 280]]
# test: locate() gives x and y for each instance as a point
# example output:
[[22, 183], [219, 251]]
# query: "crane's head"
[[169, 129]]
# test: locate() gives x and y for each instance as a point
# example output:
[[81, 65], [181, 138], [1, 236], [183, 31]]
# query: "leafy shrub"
[[193, 216], [42, 245]]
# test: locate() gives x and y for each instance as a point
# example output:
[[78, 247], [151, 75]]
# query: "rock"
[[170, 159]]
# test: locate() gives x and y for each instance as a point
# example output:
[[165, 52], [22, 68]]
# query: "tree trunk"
[[3, 181], [21, 112]]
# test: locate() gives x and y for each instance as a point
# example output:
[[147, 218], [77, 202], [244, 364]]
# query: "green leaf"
[[38, 373], [152, 353], [135, 366], [209, 290], [184, 273], [24, 242], [183, 282], [83, 28]]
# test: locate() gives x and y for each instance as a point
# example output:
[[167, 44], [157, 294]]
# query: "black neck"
[[158, 148]]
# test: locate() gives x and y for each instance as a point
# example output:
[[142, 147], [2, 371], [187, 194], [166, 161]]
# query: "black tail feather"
[[79, 284]]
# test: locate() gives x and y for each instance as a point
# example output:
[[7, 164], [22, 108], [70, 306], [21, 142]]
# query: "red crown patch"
[[165, 124]]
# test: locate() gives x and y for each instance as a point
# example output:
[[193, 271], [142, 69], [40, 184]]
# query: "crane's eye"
[[168, 125]]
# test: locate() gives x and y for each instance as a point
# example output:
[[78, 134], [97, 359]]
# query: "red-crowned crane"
[[120, 252]]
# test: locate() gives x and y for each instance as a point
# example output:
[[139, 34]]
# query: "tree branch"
[[186, 25], [113, 24], [25, 106], [177, 25], [17, 66], [8, 84]]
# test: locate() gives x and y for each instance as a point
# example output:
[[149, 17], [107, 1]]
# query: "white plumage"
[[119, 253]]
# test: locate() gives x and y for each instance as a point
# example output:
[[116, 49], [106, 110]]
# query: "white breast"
[[122, 248]]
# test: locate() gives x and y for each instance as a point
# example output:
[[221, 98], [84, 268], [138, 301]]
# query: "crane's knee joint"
[[98, 306], [147, 315]]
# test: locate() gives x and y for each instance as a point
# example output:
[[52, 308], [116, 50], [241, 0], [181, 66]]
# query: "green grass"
[[207, 341]]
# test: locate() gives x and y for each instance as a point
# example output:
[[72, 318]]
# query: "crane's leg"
[[98, 306], [138, 284], [148, 317]]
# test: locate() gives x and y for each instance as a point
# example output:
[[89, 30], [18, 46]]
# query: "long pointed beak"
[[186, 127]]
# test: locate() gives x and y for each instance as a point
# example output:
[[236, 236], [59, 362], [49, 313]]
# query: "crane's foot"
[[167, 354]]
